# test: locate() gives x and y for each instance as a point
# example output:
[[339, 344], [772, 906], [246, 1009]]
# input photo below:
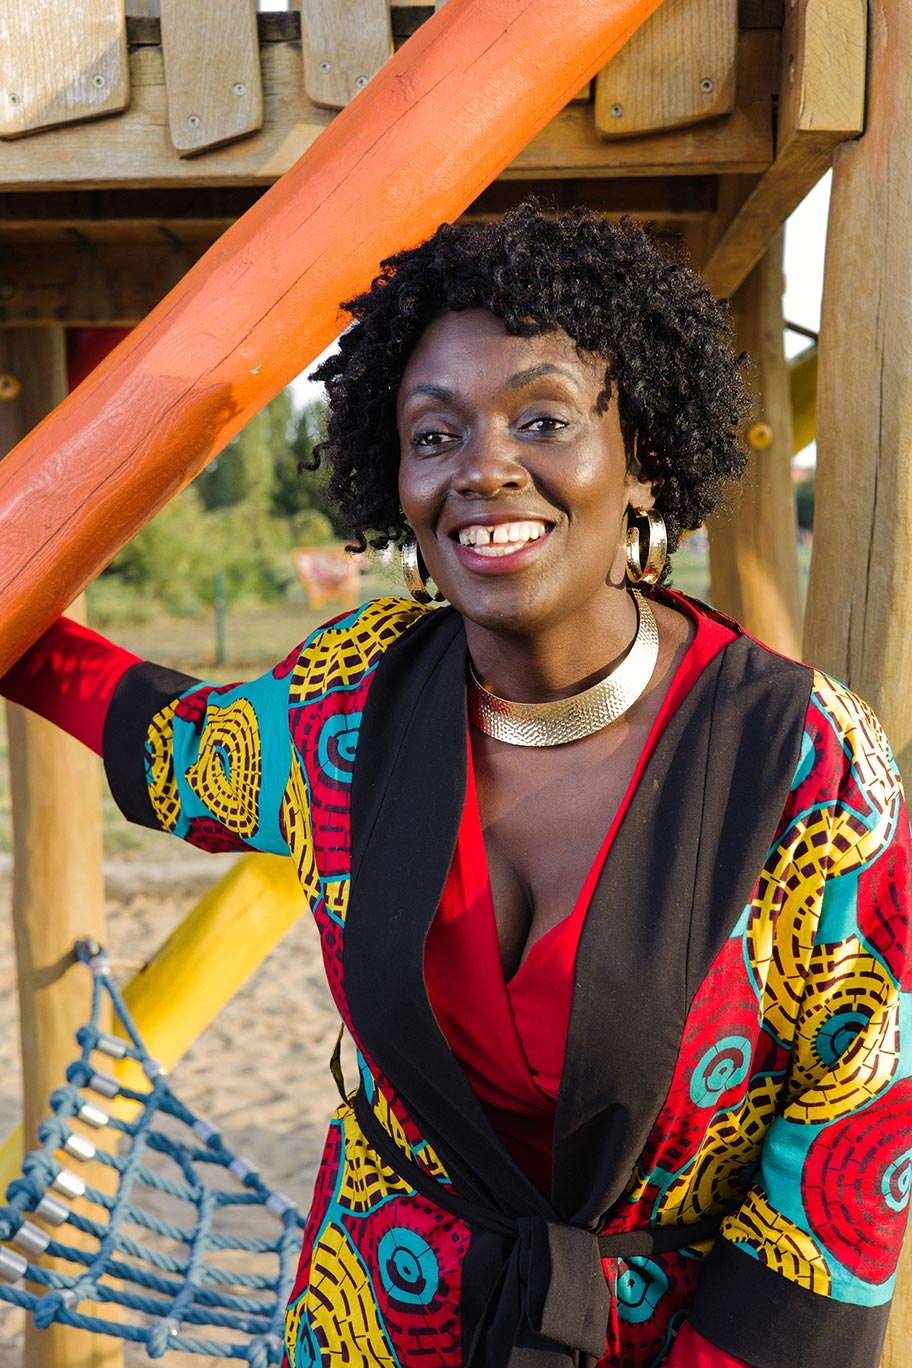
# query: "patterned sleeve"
[[806, 1268], [209, 763]]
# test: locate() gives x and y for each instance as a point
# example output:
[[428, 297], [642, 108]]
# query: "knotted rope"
[[173, 1297]]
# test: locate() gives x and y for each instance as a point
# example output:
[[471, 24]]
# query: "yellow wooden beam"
[[803, 391]]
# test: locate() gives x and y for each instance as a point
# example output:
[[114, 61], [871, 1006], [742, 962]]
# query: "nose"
[[490, 466]]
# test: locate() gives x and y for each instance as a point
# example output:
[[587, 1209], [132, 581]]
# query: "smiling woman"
[[614, 901]]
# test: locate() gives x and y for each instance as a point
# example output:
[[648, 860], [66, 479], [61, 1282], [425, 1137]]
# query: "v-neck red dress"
[[510, 1037]]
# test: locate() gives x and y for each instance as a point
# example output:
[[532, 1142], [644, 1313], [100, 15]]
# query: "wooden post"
[[858, 613], [754, 544], [58, 892]]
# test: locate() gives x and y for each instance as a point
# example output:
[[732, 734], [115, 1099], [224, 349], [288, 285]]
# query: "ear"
[[641, 489]]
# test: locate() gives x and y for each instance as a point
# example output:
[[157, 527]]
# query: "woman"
[[612, 899]]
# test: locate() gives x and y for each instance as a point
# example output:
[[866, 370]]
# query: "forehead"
[[460, 349]]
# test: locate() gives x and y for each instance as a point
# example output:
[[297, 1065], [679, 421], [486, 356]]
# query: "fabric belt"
[[550, 1303]]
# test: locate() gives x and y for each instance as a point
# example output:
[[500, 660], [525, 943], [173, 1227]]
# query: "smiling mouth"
[[504, 539]]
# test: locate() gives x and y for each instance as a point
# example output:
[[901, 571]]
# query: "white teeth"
[[503, 539]]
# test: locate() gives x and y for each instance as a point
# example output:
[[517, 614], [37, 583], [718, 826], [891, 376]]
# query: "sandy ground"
[[259, 1071]]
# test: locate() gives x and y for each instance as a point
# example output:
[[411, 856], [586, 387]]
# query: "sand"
[[260, 1070]]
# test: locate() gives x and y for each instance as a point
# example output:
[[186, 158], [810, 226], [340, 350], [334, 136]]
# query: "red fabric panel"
[[69, 677], [693, 1351], [86, 347]]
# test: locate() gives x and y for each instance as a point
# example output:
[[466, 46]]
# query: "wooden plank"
[[212, 69], [753, 543], [58, 891], [92, 285], [345, 43], [679, 68], [56, 68], [673, 199], [822, 98], [135, 152], [860, 591]]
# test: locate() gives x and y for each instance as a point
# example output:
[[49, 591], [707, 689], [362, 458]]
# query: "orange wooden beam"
[[445, 115]]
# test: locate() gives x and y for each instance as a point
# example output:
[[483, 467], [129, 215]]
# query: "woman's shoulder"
[[347, 647]]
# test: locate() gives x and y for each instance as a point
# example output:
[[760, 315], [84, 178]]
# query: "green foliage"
[[243, 515], [804, 500]]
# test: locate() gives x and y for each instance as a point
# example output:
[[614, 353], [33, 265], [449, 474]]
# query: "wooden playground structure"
[[171, 163]]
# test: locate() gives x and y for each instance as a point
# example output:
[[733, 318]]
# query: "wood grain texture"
[[678, 69], [345, 43], [860, 591], [135, 151], [58, 892], [212, 69], [440, 121], [754, 543], [55, 69], [822, 85]]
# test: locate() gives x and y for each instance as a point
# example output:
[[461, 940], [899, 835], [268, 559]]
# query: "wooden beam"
[[677, 199], [754, 543], [437, 125], [859, 622], [134, 151], [58, 891], [344, 43], [822, 94]]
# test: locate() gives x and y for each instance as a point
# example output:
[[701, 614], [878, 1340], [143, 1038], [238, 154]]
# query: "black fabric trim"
[[709, 800], [756, 1314], [141, 692]]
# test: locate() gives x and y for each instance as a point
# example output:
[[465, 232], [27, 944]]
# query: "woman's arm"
[[69, 676]]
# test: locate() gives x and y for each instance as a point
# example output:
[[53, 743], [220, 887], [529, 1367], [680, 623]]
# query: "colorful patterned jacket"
[[732, 1139]]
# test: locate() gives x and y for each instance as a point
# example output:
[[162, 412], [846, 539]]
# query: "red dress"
[[510, 1036]]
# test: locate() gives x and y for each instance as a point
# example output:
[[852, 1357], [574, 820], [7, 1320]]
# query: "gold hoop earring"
[[657, 551], [415, 575]]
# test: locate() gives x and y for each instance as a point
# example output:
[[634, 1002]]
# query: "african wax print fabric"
[[731, 1140]]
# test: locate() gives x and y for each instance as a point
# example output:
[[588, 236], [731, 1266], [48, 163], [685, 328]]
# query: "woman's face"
[[512, 472]]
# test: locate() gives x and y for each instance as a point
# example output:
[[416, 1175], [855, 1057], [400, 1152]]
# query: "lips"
[[501, 539]]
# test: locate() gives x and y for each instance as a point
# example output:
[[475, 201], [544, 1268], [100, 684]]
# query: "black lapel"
[[408, 793], [678, 875]]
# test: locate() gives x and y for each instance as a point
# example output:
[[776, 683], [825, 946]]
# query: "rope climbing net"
[[151, 1246]]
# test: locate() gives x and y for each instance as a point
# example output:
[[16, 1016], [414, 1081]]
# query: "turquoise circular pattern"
[[897, 1182], [408, 1266], [641, 1285], [836, 1035], [337, 744], [723, 1066]]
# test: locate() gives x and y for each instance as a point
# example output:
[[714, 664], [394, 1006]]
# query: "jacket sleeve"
[[209, 763], [803, 1273]]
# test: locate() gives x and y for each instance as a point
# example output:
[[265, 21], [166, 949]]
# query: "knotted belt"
[[549, 1302]]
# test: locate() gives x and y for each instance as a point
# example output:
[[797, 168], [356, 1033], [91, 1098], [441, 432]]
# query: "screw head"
[[360, 82], [14, 97], [239, 88], [194, 120], [760, 436], [325, 67], [616, 111], [9, 387], [707, 86], [98, 81]]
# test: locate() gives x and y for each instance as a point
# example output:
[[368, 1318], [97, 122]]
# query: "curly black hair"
[[665, 341]]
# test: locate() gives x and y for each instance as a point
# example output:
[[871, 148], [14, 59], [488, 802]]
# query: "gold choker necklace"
[[570, 719]]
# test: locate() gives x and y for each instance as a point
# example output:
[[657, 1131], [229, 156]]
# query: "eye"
[[433, 437], [544, 422]]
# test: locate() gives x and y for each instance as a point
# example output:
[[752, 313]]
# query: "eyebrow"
[[527, 377], [520, 380]]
